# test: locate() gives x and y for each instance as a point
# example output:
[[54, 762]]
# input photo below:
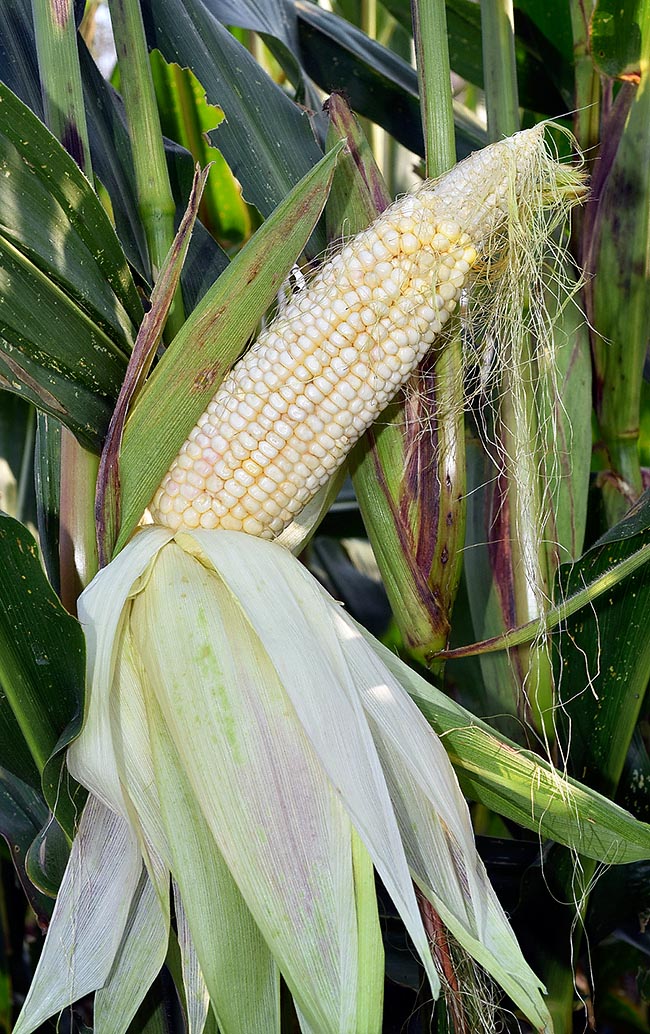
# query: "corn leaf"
[[519, 784], [108, 504], [17, 431], [41, 666], [186, 117], [52, 354], [616, 31], [23, 813], [605, 654], [210, 340], [89, 917], [544, 79], [378, 83], [51, 214], [18, 66], [265, 138], [68, 304], [47, 484], [273, 18], [48, 856]]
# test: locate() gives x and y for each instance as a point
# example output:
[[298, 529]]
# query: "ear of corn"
[[289, 411]]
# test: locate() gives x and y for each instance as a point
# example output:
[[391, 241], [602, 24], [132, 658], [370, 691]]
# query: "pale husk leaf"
[[197, 999], [235, 962], [89, 917], [435, 825], [288, 611], [138, 961], [101, 607], [256, 777]]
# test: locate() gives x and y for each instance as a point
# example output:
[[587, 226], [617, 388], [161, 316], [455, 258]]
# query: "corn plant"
[[398, 783]]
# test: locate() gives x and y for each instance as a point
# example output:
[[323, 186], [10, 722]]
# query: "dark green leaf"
[[553, 19], [377, 83], [41, 663], [634, 787], [14, 419], [22, 813], [265, 138], [67, 301], [15, 754], [272, 17], [544, 78], [50, 213], [110, 150], [605, 655], [52, 353], [620, 896], [109, 142], [47, 857], [17, 429], [47, 477], [160, 1012], [18, 63], [616, 36], [187, 118]]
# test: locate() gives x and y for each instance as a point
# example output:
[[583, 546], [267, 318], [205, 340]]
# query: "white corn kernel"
[[292, 406]]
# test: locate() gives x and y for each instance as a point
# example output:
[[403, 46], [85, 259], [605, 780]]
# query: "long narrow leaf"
[[211, 339]]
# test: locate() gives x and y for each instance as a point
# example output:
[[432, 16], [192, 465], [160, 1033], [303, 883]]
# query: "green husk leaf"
[[108, 502], [617, 259], [211, 339], [521, 785]]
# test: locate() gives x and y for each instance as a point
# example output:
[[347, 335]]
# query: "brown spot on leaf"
[[206, 378]]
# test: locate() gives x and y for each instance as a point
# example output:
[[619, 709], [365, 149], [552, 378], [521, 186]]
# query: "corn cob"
[[291, 408]]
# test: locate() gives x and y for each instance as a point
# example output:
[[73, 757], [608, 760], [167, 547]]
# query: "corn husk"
[[244, 737]]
